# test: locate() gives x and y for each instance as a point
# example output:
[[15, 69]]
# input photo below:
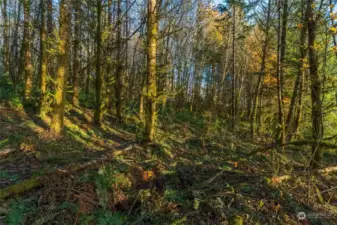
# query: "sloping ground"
[[197, 173]]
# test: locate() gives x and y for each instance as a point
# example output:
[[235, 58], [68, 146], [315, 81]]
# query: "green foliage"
[[181, 221], [16, 214], [18, 210], [70, 206], [108, 218], [174, 196], [195, 120], [102, 217], [15, 138], [3, 143], [7, 93], [104, 178], [87, 100], [5, 175], [44, 218]]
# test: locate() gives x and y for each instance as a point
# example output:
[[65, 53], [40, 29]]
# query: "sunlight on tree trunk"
[[28, 68], [62, 70], [43, 62], [151, 95]]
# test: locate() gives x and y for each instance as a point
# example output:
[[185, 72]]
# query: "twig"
[[134, 202]]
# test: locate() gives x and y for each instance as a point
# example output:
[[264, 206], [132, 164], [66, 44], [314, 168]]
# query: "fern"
[[16, 213], [44, 218], [108, 218]]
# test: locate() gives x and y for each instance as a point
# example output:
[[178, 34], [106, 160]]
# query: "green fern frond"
[[44, 218]]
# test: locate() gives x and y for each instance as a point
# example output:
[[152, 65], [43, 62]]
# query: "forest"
[[205, 112]]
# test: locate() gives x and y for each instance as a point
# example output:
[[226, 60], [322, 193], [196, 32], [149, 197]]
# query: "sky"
[[217, 1]]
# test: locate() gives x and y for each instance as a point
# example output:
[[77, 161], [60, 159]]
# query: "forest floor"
[[196, 173]]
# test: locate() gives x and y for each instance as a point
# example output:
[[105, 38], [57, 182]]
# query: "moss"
[[19, 187], [236, 220]]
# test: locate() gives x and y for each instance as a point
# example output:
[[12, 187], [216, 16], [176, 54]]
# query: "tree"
[[119, 66], [98, 107], [43, 60], [77, 12], [258, 91], [233, 72], [281, 46], [151, 95], [57, 123], [292, 122], [28, 68], [5, 48], [316, 88]]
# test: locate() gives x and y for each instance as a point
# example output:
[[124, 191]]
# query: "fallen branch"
[[20, 187], [280, 179], [6, 152], [36, 182], [296, 143], [328, 169]]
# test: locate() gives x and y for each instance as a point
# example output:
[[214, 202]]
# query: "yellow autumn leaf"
[[333, 29]]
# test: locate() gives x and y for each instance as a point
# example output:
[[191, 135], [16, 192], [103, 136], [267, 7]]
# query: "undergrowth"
[[197, 172]]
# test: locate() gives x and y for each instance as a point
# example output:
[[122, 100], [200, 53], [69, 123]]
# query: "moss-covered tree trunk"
[[98, 107], [119, 66], [28, 68], [43, 61], [76, 46], [62, 70], [316, 88], [152, 33], [109, 74]]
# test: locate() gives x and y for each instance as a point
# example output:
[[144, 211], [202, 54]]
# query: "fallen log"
[[280, 179], [328, 170], [35, 182], [295, 143], [6, 152]]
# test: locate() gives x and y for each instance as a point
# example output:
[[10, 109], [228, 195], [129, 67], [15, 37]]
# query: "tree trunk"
[[281, 40], [110, 87], [292, 121], [5, 49], [15, 68], [77, 13], [98, 109], [233, 75], [43, 61], [62, 70], [119, 66], [152, 33], [28, 69], [258, 91], [316, 89]]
